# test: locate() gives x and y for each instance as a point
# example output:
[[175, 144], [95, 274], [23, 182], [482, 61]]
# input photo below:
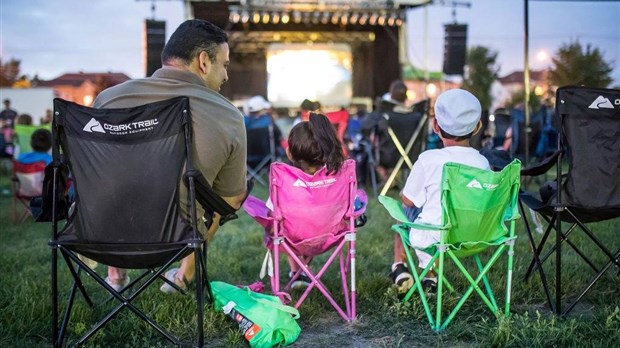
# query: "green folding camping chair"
[[476, 205]]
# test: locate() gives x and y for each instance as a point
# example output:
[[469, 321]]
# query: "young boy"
[[457, 118], [41, 143]]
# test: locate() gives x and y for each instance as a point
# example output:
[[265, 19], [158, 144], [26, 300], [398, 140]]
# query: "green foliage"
[[481, 73], [518, 98], [9, 71], [576, 66], [235, 256]]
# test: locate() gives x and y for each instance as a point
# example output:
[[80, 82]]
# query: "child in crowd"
[[312, 145], [457, 118], [41, 143]]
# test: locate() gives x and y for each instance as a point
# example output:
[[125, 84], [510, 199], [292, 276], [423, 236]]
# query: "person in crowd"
[[457, 119], [47, 119], [24, 119], [8, 115], [7, 123], [258, 115], [41, 143], [194, 64], [305, 108]]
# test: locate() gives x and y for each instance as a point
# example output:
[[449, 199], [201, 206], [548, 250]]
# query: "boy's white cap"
[[256, 103], [457, 112]]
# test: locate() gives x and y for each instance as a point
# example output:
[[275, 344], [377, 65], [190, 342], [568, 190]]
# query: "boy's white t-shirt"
[[423, 186]]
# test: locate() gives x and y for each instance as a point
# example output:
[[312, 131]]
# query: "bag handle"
[[277, 305]]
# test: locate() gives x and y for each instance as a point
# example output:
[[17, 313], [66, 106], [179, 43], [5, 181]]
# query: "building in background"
[[82, 88]]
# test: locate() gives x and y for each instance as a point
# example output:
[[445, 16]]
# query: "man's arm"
[[236, 201]]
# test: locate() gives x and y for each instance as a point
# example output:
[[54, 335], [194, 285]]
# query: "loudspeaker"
[[154, 39], [455, 48]]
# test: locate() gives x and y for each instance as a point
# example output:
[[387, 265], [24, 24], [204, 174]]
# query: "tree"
[[574, 66], [518, 98], [8, 72], [481, 73]]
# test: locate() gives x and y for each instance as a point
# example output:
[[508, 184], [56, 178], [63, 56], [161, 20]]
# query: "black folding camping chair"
[[402, 128], [589, 191], [262, 148], [127, 167]]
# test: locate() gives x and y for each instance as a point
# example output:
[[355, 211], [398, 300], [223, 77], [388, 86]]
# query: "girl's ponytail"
[[329, 146]]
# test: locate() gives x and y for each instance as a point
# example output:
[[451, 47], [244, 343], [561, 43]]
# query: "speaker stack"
[[455, 49], [154, 41]]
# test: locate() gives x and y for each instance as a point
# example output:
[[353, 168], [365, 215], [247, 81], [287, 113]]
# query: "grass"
[[235, 256]]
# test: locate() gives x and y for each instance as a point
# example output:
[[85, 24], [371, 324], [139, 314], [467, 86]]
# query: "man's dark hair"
[[41, 140], [398, 91], [192, 37]]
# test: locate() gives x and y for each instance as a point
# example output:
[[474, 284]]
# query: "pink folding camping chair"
[[312, 215]]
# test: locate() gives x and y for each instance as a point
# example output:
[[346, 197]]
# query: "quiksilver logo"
[[601, 103], [93, 126]]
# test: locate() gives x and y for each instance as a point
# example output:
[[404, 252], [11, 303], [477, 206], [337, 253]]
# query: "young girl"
[[312, 145]]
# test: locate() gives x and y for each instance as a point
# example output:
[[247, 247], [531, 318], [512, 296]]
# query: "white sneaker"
[[171, 275], [118, 286]]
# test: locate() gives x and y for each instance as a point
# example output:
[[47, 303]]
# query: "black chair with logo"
[[401, 139], [587, 191], [128, 167]]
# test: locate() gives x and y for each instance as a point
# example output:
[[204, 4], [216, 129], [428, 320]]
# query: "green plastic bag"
[[263, 320]]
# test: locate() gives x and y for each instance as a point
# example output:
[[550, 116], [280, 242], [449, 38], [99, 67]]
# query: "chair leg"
[[473, 284], [486, 283], [511, 248], [442, 252], [418, 284], [55, 340], [590, 284], [536, 258], [199, 279]]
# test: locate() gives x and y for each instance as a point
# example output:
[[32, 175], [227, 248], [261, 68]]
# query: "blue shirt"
[[33, 157]]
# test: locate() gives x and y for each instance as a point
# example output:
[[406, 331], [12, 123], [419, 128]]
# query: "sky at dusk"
[[54, 37]]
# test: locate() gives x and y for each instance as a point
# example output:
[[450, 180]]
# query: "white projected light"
[[319, 72]]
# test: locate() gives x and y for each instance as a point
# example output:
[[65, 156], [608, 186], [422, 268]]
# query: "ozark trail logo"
[[474, 184], [299, 183], [601, 103], [93, 126], [314, 184]]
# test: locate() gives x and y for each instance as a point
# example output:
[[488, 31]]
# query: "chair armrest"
[[209, 200], [542, 166], [394, 207]]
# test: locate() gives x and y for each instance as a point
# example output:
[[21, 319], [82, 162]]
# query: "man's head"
[[7, 103], [457, 114], [200, 47], [41, 140], [398, 91]]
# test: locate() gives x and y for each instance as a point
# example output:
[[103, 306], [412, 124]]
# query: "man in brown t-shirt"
[[194, 64]]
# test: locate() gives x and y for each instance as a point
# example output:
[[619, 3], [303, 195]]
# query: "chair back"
[[590, 133], [403, 128], [260, 139], [127, 165], [311, 209], [476, 204], [29, 177]]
